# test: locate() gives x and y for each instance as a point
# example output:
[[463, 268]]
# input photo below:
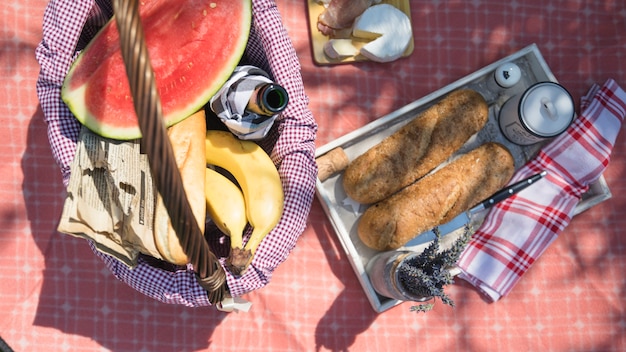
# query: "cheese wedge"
[[340, 48], [389, 30]]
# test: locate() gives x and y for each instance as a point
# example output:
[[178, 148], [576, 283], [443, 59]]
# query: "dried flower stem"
[[428, 273]]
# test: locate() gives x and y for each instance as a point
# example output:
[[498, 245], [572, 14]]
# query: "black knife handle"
[[511, 190]]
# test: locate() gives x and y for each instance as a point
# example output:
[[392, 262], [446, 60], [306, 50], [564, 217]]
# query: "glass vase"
[[383, 270]]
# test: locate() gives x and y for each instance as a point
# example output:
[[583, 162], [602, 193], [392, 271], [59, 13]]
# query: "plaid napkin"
[[518, 230], [230, 102]]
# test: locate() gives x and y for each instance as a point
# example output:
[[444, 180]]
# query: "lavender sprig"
[[427, 274]]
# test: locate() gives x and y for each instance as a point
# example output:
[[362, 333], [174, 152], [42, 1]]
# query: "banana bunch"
[[259, 195]]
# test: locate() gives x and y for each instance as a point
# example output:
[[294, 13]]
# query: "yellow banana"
[[261, 186], [225, 205]]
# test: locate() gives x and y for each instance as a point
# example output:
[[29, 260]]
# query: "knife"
[[464, 218], [506, 193]]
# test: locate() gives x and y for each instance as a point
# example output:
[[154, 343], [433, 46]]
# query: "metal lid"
[[546, 109]]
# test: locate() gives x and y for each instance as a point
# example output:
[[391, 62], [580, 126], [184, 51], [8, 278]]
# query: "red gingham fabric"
[[69, 25], [517, 231]]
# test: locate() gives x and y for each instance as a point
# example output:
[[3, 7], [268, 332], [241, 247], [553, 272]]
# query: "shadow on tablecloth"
[[350, 314]]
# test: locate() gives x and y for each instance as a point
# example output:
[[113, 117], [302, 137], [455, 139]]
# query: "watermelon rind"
[[96, 87]]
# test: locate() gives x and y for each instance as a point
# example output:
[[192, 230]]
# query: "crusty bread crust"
[[416, 148], [436, 198], [187, 139]]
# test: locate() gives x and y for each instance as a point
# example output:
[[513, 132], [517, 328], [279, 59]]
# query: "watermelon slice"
[[194, 46]]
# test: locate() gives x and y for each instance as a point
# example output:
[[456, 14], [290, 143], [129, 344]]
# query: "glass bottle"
[[383, 269], [268, 99]]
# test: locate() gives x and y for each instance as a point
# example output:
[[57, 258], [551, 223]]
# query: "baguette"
[[187, 139], [436, 198], [417, 148]]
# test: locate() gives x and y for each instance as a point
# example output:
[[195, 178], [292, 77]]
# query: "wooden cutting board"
[[318, 39]]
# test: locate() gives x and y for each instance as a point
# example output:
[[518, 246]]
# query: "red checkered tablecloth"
[[57, 296]]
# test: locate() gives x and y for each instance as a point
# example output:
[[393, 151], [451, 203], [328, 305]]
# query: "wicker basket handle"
[[156, 145]]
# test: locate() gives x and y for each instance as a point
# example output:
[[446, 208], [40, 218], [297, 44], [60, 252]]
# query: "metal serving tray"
[[344, 213]]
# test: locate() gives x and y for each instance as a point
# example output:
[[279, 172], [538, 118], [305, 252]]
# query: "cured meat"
[[340, 14]]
